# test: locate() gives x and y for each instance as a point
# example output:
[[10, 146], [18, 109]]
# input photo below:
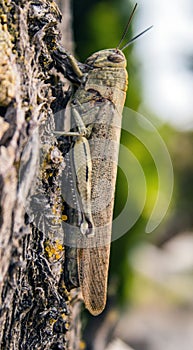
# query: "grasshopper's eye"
[[116, 58]]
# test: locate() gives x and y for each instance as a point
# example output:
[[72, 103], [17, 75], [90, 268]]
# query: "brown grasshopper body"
[[99, 102]]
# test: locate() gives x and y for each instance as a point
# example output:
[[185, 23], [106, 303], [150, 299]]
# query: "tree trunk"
[[37, 311]]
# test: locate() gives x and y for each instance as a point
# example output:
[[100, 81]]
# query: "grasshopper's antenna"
[[135, 37], [127, 26]]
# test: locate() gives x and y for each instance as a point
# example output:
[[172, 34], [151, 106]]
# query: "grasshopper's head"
[[107, 58], [114, 57]]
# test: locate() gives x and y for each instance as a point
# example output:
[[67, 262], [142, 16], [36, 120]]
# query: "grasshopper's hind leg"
[[81, 163], [83, 169]]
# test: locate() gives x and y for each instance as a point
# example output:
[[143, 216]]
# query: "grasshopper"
[[96, 108]]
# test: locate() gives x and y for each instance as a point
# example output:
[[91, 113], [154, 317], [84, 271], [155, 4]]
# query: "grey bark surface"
[[36, 312]]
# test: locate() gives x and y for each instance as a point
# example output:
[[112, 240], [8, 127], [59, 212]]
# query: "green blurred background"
[[150, 274]]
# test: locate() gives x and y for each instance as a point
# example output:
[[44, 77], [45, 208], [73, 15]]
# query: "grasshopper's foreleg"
[[72, 69], [79, 124], [74, 65]]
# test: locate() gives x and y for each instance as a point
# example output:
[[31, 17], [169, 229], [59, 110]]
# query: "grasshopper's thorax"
[[108, 76]]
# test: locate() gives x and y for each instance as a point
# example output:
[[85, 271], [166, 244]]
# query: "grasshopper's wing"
[[93, 256], [93, 265]]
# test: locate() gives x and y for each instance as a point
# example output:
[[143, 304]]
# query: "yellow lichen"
[[82, 345], [52, 321], [54, 250]]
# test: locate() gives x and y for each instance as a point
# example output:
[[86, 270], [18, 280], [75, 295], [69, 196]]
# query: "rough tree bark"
[[36, 310]]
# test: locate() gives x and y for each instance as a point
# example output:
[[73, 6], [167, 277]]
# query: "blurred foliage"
[[99, 25]]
